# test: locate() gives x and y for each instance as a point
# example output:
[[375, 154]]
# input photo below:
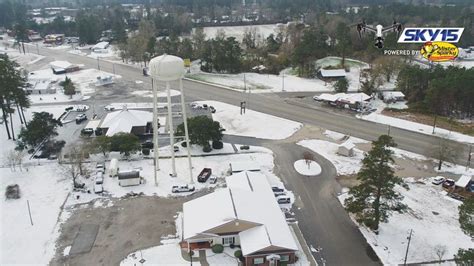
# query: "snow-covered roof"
[[331, 73], [344, 97], [393, 94], [329, 97], [61, 64], [101, 45], [124, 120], [248, 197], [93, 124], [347, 145], [244, 166], [463, 181]]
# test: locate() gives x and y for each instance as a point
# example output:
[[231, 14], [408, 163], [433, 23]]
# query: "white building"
[[332, 73], [127, 121]]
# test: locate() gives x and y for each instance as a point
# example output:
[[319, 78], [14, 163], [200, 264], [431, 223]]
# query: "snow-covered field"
[[22, 59], [432, 216], [417, 127], [310, 168], [161, 94], [252, 123], [45, 188], [286, 81]]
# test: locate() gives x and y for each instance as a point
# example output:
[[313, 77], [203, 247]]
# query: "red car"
[[448, 183]]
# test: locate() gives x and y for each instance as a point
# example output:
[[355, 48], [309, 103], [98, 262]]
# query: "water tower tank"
[[166, 67]]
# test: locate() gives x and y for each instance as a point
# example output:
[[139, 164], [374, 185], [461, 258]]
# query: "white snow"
[[263, 31], [45, 188], [344, 165], [66, 251], [434, 219], [252, 123], [22, 59], [169, 253], [417, 127], [309, 169], [286, 81], [334, 135]]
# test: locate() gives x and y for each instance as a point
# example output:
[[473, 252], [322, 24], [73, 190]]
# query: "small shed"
[[237, 167], [100, 46], [393, 96], [61, 67], [129, 178], [463, 181], [346, 149]]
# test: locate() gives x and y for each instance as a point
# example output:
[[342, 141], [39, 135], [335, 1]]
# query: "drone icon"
[[379, 31]]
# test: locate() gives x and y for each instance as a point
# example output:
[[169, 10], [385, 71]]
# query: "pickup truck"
[[179, 189], [204, 175]]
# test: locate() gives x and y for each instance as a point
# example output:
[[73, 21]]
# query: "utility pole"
[[283, 82], [98, 65], [408, 246], [388, 133], [434, 123], [245, 84], [29, 211], [469, 156]]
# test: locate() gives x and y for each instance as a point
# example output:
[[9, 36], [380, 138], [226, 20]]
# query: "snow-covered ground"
[[23, 60], [417, 127], [45, 187], [161, 94], [432, 216], [169, 253], [286, 81], [263, 31], [252, 123], [310, 168]]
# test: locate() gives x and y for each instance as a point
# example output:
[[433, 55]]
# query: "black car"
[[80, 118], [213, 110], [448, 183], [277, 189], [147, 144]]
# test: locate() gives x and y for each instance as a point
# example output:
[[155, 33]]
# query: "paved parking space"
[[85, 239]]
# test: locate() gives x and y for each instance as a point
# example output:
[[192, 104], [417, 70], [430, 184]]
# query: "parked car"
[[180, 189], [204, 175], [283, 199], [244, 147], [176, 148], [277, 189], [213, 110], [80, 118], [279, 194], [448, 183], [100, 168], [438, 180], [99, 178], [147, 144], [205, 106], [109, 108], [145, 71], [87, 132], [69, 108], [213, 179], [98, 188], [53, 157]]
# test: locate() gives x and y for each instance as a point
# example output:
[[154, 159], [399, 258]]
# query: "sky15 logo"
[[423, 35]]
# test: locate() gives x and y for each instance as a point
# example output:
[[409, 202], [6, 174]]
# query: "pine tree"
[[374, 198], [69, 88], [341, 85]]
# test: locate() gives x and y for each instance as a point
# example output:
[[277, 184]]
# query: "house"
[[237, 167], [54, 39], [392, 96], [127, 121], [61, 67], [352, 101], [40, 86], [332, 73], [129, 178], [346, 149], [100, 46], [244, 214]]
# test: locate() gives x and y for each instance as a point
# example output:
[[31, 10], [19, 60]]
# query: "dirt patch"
[[441, 122], [129, 225]]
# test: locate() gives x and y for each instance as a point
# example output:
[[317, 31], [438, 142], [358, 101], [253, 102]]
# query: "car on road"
[[245, 147], [148, 144], [98, 188], [109, 108], [181, 189], [80, 118], [448, 183], [438, 180]]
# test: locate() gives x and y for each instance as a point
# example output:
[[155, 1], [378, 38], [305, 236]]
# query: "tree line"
[[441, 91]]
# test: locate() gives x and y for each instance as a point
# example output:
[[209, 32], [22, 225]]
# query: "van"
[[113, 167]]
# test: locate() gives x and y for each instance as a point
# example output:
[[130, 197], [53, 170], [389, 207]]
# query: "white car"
[[213, 179], [98, 188], [99, 178], [109, 108], [283, 199], [180, 189], [438, 180], [100, 168]]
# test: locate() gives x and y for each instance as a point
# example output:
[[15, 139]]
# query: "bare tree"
[[442, 151], [440, 251], [308, 157], [75, 157], [10, 159]]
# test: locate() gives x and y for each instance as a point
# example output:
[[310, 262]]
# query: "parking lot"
[[131, 224]]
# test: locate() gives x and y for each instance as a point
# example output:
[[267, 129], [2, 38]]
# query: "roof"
[[124, 120], [248, 197], [245, 166], [128, 175], [101, 45], [329, 97], [331, 73], [348, 145], [393, 94], [463, 181], [93, 124], [61, 64], [344, 97]]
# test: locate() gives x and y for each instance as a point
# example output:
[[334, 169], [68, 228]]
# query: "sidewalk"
[[302, 246]]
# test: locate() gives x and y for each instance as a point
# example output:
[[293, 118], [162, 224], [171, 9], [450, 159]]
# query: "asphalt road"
[[281, 107]]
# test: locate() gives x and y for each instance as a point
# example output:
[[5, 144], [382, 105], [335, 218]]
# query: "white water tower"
[[167, 68]]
